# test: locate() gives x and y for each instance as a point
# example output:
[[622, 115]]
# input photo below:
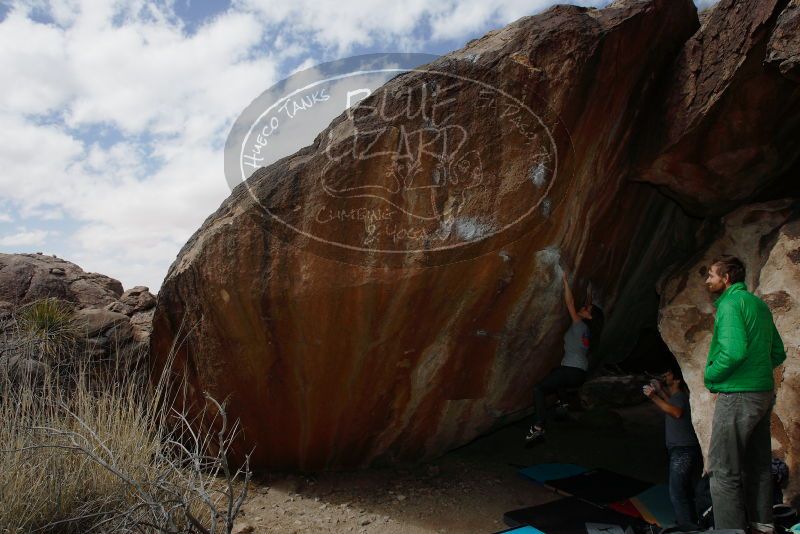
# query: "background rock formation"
[[767, 239], [116, 323], [725, 125]]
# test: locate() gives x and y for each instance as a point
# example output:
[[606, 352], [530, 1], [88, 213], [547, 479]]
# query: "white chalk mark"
[[471, 228], [538, 174]]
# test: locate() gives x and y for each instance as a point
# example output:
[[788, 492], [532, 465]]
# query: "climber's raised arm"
[[569, 300]]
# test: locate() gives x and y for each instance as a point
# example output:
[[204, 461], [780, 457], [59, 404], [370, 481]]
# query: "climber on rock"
[[582, 336]]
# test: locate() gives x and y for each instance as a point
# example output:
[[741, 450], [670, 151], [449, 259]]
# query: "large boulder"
[[726, 123], [766, 237], [334, 356]]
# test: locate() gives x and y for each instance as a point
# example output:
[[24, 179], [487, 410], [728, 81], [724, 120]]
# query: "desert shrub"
[[110, 452]]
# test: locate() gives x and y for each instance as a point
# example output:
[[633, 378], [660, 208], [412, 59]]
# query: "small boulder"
[[119, 334], [138, 298], [601, 419], [95, 321], [18, 369], [119, 307], [613, 391]]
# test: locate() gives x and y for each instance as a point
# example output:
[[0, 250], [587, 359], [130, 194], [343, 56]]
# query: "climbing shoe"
[[534, 435]]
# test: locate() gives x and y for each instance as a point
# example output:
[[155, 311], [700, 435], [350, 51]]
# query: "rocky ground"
[[466, 490]]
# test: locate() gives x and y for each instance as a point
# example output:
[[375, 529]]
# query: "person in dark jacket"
[[745, 348], [581, 336], [685, 457]]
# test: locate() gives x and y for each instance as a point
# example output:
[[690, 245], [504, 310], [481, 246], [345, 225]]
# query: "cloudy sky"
[[113, 115]]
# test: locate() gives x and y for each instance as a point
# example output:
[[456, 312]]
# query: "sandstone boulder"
[[119, 307], [766, 237], [333, 355], [28, 277], [138, 299], [98, 320], [726, 123], [142, 325], [783, 50]]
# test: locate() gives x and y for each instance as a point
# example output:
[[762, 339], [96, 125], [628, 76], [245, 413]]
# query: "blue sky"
[[112, 128]]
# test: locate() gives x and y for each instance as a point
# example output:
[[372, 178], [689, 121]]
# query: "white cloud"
[[340, 26], [165, 78], [167, 97], [34, 159], [24, 238], [34, 57], [114, 122]]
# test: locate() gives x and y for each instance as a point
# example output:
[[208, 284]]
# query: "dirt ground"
[[466, 490]]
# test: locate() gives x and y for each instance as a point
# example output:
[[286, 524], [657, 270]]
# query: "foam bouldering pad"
[[525, 529], [569, 516], [551, 471], [655, 506], [599, 486], [626, 507]]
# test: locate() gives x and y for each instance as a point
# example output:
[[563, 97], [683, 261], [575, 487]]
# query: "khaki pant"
[[739, 459]]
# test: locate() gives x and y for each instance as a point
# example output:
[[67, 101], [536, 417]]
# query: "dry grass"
[[80, 453]]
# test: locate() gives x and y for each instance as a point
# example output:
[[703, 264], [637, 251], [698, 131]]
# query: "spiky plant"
[[50, 324]]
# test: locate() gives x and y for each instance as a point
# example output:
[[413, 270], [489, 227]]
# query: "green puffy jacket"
[[745, 347]]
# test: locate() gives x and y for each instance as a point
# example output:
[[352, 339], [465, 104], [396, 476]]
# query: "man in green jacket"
[[745, 348]]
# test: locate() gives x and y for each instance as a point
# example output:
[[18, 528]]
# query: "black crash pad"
[[568, 516], [599, 486]]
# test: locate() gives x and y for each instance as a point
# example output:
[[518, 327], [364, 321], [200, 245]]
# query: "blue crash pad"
[[545, 472]]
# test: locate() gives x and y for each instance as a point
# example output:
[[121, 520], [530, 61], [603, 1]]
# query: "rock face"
[[727, 121], [392, 290], [766, 237], [400, 355], [783, 49], [27, 277], [116, 323]]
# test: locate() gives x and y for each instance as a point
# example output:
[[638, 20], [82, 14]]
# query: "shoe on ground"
[[534, 435]]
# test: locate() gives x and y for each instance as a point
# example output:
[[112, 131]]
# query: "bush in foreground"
[[108, 451]]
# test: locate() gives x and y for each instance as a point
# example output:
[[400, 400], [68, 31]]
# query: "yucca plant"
[[51, 326]]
